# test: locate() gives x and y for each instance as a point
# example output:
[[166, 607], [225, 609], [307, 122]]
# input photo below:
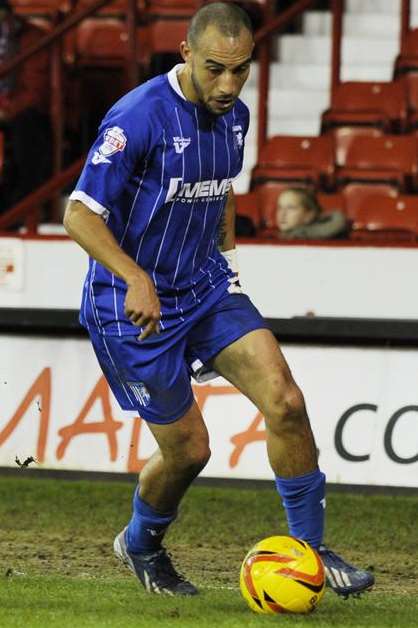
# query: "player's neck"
[[186, 85]]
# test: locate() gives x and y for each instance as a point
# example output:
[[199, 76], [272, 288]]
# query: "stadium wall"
[[283, 280], [56, 407]]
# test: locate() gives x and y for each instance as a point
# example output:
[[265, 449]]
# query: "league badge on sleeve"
[[114, 141], [238, 136]]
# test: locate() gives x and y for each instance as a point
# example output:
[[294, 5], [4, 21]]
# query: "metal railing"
[[53, 42], [54, 39]]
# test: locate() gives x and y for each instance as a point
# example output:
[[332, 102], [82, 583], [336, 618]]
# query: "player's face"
[[291, 213], [218, 67]]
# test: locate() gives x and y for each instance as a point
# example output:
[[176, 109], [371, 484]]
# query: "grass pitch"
[[57, 566]]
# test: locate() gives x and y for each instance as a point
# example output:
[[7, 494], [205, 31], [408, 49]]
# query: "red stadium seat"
[[344, 135], [97, 42], [408, 57], [331, 202], [248, 205], [169, 9], [385, 218], [297, 160], [356, 195], [377, 104], [172, 8], [390, 159], [40, 7], [410, 79], [116, 8], [162, 36], [103, 41]]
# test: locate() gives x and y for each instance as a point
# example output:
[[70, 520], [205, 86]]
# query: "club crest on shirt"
[[140, 392], [238, 136], [180, 143], [114, 141]]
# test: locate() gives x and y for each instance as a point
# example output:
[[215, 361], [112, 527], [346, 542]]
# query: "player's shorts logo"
[[180, 143], [140, 392], [114, 141]]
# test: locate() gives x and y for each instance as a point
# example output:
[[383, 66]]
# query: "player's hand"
[[142, 305]]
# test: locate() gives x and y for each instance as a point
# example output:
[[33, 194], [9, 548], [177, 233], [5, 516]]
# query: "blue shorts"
[[152, 376]]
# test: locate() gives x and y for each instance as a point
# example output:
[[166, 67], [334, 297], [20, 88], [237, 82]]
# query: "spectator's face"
[[291, 213], [219, 66]]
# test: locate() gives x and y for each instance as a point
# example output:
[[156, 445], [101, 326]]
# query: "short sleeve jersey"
[[159, 173]]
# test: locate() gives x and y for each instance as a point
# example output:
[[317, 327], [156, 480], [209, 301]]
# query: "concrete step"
[[377, 6], [362, 24], [286, 102], [291, 125], [356, 50], [310, 76]]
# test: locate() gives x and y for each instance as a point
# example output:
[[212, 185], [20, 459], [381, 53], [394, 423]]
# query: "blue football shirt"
[[159, 173]]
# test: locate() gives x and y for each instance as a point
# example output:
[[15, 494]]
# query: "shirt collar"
[[174, 81]]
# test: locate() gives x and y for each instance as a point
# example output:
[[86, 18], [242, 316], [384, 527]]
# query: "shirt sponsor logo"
[[140, 392], [114, 141], [180, 143], [189, 192]]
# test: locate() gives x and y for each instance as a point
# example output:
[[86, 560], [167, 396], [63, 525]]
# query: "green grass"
[[59, 534]]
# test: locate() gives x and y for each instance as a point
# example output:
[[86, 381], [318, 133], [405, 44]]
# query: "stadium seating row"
[[377, 215], [101, 40], [330, 161]]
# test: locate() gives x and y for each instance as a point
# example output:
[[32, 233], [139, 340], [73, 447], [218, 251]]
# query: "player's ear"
[[185, 51]]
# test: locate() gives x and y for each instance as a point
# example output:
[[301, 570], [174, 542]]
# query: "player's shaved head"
[[217, 56], [228, 18]]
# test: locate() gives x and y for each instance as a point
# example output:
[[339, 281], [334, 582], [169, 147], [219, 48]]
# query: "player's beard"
[[202, 101]]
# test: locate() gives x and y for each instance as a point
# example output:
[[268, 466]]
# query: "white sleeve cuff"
[[232, 259], [79, 195]]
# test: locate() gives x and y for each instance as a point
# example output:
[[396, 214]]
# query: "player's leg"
[[153, 379], [183, 451], [256, 366]]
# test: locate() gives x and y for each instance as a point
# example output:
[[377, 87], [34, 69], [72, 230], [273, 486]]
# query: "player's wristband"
[[232, 259]]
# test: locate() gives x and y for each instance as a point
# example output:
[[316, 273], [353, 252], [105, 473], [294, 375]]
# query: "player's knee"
[[195, 458], [189, 454], [286, 410]]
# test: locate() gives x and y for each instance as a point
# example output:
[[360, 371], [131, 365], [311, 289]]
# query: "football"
[[282, 574]]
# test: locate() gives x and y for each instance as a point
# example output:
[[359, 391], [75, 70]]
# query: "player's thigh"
[[256, 366]]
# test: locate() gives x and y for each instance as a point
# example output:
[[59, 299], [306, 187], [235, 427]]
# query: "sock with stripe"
[[303, 498], [147, 527]]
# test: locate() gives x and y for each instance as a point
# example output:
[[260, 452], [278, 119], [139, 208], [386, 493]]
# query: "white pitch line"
[[214, 587]]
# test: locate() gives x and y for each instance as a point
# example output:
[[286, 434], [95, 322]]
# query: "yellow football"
[[282, 574]]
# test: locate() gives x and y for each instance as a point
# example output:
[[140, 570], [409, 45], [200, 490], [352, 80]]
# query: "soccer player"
[[154, 209]]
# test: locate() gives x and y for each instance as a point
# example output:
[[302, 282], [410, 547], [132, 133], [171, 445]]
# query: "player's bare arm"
[[226, 241], [88, 229]]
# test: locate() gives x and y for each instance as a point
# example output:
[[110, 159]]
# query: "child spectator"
[[299, 216]]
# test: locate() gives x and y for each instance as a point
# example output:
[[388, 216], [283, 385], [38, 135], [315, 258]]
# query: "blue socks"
[[304, 501], [147, 527]]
